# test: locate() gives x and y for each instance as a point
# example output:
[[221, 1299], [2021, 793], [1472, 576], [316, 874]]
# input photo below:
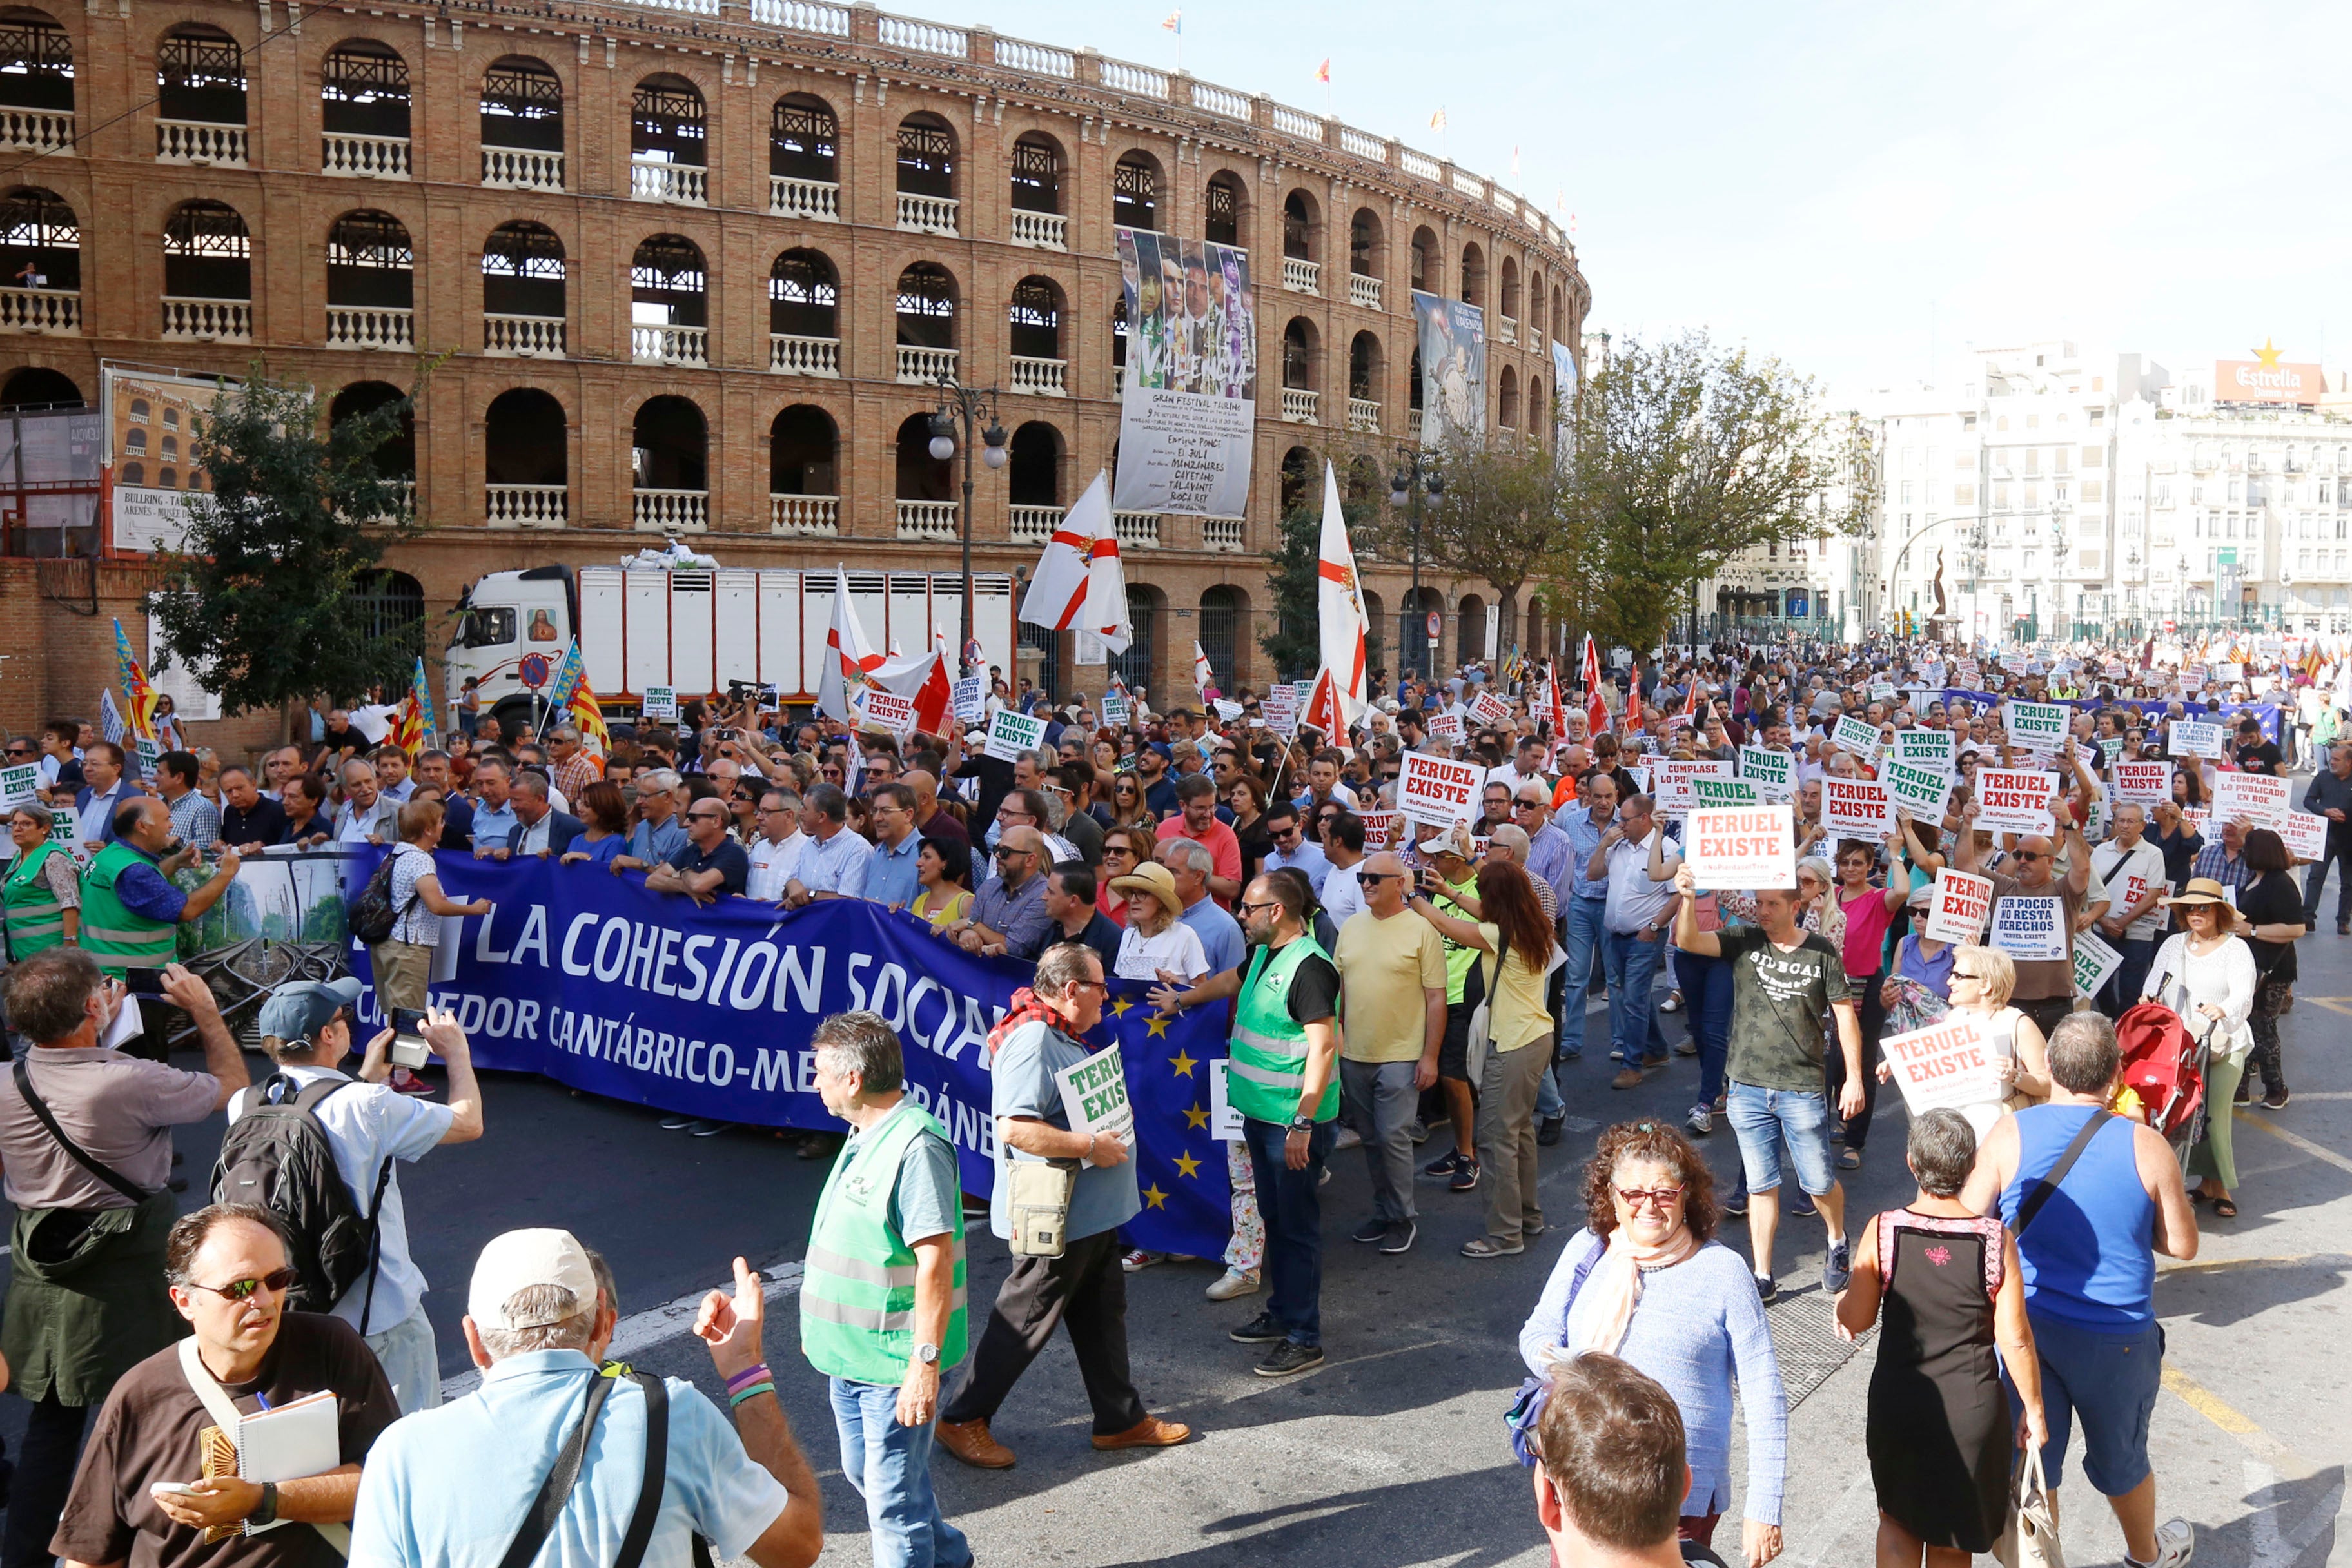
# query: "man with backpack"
[[317, 1147]]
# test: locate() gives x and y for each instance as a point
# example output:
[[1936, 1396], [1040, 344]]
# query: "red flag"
[[1596, 711], [1323, 710]]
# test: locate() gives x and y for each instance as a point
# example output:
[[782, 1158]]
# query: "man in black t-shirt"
[[2252, 753], [709, 865], [227, 1267]]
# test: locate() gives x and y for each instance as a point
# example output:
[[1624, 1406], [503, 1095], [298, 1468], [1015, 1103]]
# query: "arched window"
[[1364, 485], [668, 141], [199, 78], [1298, 223], [35, 386], [40, 241], [1474, 275], [207, 253], [1559, 323], [1225, 614], [1470, 629], [1364, 248], [802, 135], [1297, 478], [805, 298], [1507, 397], [37, 72], [1426, 272], [802, 449], [669, 302], [1413, 380], [926, 307], [1510, 302], [1365, 365], [1221, 218], [1298, 355], [523, 290], [927, 171], [1135, 191], [669, 446], [525, 441], [371, 282], [1540, 416], [1034, 468], [921, 476], [1035, 322], [522, 125], [364, 92], [1036, 174], [397, 459], [1536, 317]]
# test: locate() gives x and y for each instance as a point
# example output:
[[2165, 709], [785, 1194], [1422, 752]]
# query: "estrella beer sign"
[[2265, 378]]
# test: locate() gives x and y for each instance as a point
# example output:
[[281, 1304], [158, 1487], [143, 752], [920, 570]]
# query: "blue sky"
[[1853, 187]]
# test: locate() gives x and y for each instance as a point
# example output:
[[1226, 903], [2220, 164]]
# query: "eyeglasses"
[[1101, 985], [1958, 974], [1248, 907], [1378, 876], [275, 1282], [1659, 1198], [2028, 854]]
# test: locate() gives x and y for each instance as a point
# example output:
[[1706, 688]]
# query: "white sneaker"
[[1232, 1283], [2176, 1543], [1701, 1121]]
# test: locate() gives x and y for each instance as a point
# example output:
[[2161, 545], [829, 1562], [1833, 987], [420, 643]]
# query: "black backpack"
[[370, 916], [278, 1154]]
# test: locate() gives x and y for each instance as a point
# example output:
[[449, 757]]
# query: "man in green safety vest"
[[1282, 1077], [132, 913], [882, 1298]]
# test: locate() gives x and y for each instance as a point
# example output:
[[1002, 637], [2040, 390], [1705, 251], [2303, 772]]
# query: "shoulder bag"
[[226, 1416], [1526, 1409], [1482, 1011]]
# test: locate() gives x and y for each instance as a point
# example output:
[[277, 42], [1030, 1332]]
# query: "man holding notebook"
[[250, 1432]]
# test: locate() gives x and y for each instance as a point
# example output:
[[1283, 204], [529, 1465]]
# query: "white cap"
[[1440, 844], [520, 1258]]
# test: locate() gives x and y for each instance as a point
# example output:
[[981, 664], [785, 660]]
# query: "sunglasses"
[[276, 1282], [2028, 855], [1378, 876], [1659, 1198], [1006, 852]]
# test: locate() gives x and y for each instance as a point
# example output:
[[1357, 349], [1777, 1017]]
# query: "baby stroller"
[[2164, 1070]]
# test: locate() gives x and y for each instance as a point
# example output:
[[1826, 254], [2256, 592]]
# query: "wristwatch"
[[1302, 1124], [928, 1354], [266, 1511]]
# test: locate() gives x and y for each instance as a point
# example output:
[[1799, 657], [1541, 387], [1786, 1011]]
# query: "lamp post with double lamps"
[[1406, 487], [971, 404]]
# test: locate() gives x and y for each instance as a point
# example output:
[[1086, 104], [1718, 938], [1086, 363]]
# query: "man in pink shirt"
[[1196, 819]]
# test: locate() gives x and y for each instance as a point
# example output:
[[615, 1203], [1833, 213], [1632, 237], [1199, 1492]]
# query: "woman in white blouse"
[[1157, 944], [2207, 975]]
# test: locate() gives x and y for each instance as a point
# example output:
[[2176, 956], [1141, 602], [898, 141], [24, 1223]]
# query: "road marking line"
[[2327, 1156], [2167, 1268], [2249, 1436], [642, 1331], [2333, 1004]]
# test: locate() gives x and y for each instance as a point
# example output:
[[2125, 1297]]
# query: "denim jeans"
[[890, 1466], [1633, 1012], [1761, 1117], [1705, 985], [2121, 992], [1293, 1209]]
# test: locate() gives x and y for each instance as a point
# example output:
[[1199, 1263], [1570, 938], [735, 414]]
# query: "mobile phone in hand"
[[408, 1047]]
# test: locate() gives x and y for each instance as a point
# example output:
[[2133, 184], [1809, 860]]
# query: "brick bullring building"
[[697, 267]]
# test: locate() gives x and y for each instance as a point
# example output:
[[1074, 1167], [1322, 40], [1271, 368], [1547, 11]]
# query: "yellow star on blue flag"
[[1121, 1005], [1183, 1064], [1188, 1165], [1155, 1197], [1159, 1025], [1196, 1117]]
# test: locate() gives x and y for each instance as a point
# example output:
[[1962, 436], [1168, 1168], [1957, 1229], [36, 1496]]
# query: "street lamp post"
[[971, 404], [1406, 487]]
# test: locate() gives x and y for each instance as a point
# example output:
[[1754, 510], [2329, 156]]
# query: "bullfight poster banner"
[[1452, 371], [1188, 403]]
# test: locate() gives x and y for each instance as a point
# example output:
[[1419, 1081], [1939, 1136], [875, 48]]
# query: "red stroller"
[[2164, 1067]]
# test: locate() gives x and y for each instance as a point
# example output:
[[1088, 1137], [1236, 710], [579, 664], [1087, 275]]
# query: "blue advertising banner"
[[586, 978]]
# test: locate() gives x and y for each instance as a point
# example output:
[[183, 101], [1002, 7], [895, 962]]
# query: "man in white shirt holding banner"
[[2133, 869]]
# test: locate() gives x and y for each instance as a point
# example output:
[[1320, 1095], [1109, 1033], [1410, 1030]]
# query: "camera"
[[408, 1047], [144, 983], [765, 692]]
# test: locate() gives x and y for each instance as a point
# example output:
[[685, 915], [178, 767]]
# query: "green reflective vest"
[[1268, 1054], [114, 934], [857, 1290], [1458, 958], [36, 917]]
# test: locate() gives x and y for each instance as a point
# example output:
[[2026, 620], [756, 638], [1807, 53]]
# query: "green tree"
[[1293, 640], [1685, 456], [1502, 518], [261, 602]]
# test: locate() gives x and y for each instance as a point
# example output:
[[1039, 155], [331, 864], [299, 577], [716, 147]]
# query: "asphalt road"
[[1394, 1454]]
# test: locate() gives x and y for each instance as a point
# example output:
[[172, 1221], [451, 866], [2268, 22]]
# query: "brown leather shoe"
[[1627, 1077], [1149, 1433], [969, 1441]]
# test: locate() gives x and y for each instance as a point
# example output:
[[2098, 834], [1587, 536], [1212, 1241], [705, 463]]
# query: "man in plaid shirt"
[[570, 766], [2223, 857]]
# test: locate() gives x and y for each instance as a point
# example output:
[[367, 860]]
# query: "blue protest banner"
[[586, 978]]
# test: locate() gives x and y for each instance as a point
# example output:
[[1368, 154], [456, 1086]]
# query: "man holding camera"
[[86, 1141], [306, 1028], [131, 912]]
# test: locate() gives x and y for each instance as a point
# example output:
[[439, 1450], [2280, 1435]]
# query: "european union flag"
[[1187, 1198]]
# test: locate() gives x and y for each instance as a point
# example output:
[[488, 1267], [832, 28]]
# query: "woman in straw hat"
[[1156, 942], [2206, 975]]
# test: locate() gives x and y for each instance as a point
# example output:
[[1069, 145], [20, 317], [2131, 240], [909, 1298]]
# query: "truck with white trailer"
[[700, 629]]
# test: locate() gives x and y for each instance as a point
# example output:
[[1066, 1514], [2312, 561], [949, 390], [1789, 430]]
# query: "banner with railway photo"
[[151, 431], [1188, 407], [1452, 371]]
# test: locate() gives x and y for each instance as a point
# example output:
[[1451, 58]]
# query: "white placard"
[[1280, 706], [1117, 711], [1488, 709], [2304, 834], [1923, 794], [2014, 800], [2094, 962], [886, 711], [661, 702], [1774, 773], [1447, 727], [1947, 1064], [20, 786], [1859, 736], [1438, 791], [2038, 726], [1094, 1096], [1380, 827], [1856, 809], [1956, 910], [2193, 738], [2141, 783], [1011, 733], [1674, 781], [2260, 798], [1227, 710], [1747, 846], [2029, 928], [970, 698], [1225, 1121], [1925, 748]]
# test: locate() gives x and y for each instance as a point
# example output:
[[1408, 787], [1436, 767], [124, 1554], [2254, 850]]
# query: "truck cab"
[[512, 630]]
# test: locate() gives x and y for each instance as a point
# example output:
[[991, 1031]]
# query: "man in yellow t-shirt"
[[1393, 991]]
